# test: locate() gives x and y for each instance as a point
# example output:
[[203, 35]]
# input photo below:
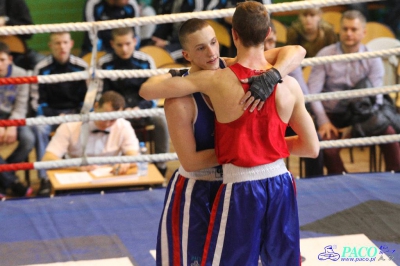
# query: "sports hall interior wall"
[[64, 11], [54, 11]]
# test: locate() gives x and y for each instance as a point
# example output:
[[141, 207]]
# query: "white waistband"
[[235, 174], [209, 174]]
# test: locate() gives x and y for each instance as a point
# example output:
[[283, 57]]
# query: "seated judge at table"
[[106, 138]]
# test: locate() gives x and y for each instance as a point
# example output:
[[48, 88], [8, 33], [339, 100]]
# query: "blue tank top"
[[204, 123]]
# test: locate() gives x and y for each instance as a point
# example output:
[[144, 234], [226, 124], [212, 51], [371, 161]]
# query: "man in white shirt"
[[106, 138]]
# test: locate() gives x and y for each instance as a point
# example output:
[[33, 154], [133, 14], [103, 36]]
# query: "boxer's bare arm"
[[285, 59], [291, 108], [165, 86], [180, 114]]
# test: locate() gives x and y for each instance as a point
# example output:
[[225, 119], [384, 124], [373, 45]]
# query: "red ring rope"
[[18, 80], [16, 167], [13, 123]]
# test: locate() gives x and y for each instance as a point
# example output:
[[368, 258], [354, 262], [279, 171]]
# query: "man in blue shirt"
[[100, 10]]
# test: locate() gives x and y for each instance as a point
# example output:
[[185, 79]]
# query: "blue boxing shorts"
[[185, 217], [254, 215]]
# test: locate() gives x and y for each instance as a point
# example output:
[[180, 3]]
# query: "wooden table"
[[154, 178]]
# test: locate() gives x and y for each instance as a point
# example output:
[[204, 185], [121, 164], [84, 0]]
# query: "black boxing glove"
[[177, 72], [261, 86]]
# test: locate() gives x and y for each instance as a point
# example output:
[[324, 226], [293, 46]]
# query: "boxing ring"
[[351, 211], [338, 214]]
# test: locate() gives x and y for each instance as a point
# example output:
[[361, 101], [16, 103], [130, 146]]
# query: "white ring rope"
[[145, 73], [56, 78], [321, 60], [41, 120], [159, 111], [49, 120], [365, 141], [162, 157], [160, 19], [351, 93]]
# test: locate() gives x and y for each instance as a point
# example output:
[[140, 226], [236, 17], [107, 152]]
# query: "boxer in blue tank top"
[[190, 195]]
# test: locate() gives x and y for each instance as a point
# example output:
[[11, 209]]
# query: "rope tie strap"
[[94, 39], [85, 118], [84, 136]]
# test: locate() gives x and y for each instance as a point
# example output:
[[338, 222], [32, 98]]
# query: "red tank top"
[[255, 138]]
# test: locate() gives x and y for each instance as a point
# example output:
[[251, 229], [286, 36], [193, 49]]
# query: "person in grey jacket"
[[13, 105]]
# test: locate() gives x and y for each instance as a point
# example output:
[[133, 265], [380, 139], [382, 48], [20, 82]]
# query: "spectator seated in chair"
[[14, 105], [311, 31]]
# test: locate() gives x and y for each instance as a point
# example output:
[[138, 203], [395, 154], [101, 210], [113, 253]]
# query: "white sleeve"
[[129, 140], [60, 142]]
